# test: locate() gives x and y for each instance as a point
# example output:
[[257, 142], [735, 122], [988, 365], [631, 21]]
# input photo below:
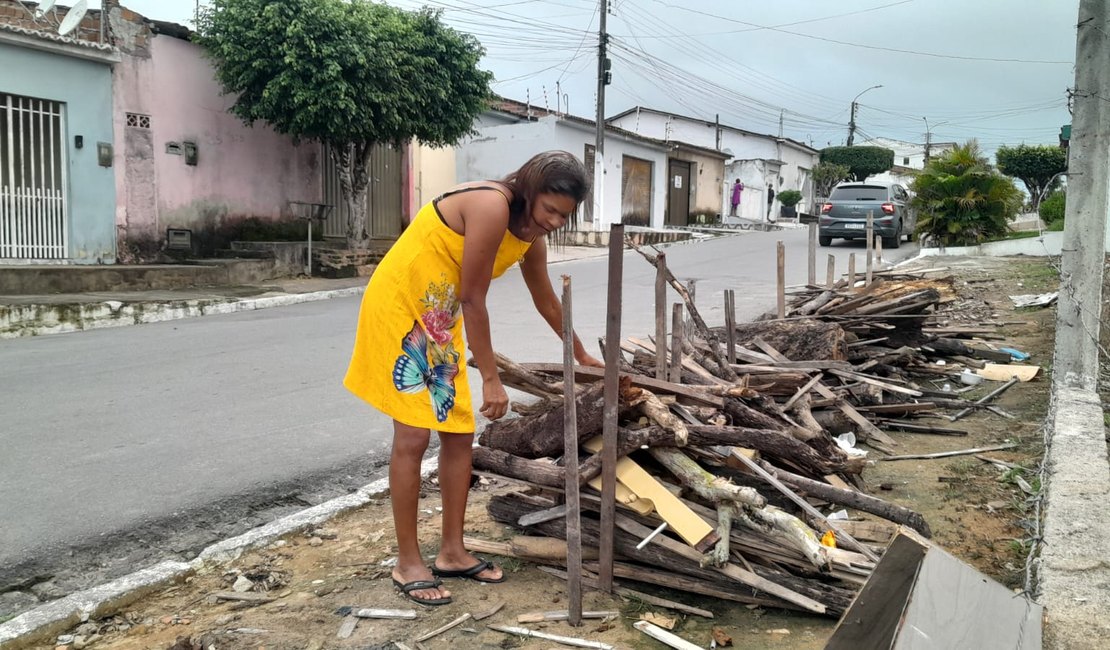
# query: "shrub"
[[962, 199], [1052, 209], [790, 198]]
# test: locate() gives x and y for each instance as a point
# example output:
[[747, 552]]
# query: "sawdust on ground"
[[978, 513]]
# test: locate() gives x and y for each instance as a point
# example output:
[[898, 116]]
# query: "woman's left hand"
[[590, 362]]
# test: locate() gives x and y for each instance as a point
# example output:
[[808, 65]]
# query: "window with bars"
[[138, 120]]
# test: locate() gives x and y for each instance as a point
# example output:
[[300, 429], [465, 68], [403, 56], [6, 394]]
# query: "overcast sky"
[[996, 70]]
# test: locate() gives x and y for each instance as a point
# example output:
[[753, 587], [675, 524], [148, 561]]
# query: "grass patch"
[[1017, 234]]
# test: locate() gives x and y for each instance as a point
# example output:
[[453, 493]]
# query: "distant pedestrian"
[[408, 360], [737, 194], [770, 200]]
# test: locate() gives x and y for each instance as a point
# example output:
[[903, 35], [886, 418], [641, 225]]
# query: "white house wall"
[[498, 150], [741, 145]]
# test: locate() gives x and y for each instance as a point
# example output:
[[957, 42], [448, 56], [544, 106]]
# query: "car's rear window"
[[859, 193]]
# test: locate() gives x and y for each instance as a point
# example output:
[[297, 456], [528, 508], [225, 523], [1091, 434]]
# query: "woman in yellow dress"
[[407, 359]]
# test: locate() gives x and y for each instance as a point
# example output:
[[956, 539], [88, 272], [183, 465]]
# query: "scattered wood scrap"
[[725, 439]]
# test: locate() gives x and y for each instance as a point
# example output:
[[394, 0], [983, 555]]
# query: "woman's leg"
[[409, 445], [455, 457]]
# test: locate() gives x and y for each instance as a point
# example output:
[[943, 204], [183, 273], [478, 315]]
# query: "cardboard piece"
[[919, 597], [1004, 371]]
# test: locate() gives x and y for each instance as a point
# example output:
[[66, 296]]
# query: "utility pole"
[[1085, 223], [928, 140], [852, 125], [603, 78]]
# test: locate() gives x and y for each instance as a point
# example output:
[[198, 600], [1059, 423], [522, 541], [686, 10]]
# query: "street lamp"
[[929, 138], [852, 121]]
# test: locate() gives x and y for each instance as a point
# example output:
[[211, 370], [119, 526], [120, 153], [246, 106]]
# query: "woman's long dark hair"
[[550, 172]]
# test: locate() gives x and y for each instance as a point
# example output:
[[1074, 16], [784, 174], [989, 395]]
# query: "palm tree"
[[962, 199]]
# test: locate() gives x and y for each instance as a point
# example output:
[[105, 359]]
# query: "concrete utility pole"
[[1077, 320], [603, 77]]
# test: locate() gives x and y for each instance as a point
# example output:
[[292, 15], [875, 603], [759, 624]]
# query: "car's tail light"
[[826, 208], [888, 208]]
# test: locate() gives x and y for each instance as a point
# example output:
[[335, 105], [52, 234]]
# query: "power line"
[[865, 46]]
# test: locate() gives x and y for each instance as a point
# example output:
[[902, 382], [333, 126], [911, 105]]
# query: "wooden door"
[[678, 193]]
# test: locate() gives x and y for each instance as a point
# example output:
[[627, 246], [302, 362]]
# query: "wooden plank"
[[583, 373], [562, 615], [661, 315], [811, 266], [949, 454], [851, 270], [563, 640], [612, 404], [688, 525], [730, 324], [570, 450], [780, 265], [678, 334], [638, 595], [830, 272], [802, 391], [887, 386], [668, 639]]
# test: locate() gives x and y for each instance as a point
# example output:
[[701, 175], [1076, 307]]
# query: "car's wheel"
[[824, 240], [892, 242]]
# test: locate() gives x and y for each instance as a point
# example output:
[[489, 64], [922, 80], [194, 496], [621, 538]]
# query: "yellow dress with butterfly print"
[[408, 358]]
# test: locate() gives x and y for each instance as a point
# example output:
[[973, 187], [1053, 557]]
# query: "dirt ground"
[[977, 511]]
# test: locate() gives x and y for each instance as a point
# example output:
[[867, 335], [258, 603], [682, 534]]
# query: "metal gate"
[[33, 210], [383, 199]]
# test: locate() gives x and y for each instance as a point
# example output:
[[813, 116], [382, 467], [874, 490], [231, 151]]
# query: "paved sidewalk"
[[37, 315]]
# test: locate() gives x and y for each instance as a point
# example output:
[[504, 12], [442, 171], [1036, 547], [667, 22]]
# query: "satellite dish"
[[73, 17], [45, 6]]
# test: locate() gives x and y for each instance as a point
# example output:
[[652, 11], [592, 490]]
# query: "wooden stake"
[[691, 288], [879, 250], [678, 333], [851, 270], [947, 454], [870, 245], [781, 291], [440, 630], [570, 452], [661, 316], [812, 254], [830, 274], [612, 406], [730, 324]]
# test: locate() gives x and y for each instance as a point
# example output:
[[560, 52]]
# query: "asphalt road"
[[122, 446]]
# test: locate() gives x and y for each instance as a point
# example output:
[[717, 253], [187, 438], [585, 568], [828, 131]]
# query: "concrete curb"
[[53, 618], [1074, 564], [36, 320]]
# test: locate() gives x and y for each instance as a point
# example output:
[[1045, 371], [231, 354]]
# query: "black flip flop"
[[471, 573], [417, 585]]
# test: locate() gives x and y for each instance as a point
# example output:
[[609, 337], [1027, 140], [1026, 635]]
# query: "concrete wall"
[[1049, 244], [85, 87], [500, 149], [240, 171]]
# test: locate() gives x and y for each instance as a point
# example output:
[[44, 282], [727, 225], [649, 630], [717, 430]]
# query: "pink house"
[[182, 160]]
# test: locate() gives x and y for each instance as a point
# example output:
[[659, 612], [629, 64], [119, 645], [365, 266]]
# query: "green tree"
[[961, 199], [861, 161], [347, 73], [1037, 166], [826, 175]]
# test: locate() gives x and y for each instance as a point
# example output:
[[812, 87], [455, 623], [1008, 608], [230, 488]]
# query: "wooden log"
[[586, 374], [776, 445], [851, 499], [541, 435], [590, 581], [804, 339]]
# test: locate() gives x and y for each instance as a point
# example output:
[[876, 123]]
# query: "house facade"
[[184, 161], [909, 158], [635, 190], [765, 165], [648, 182], [57, 167]]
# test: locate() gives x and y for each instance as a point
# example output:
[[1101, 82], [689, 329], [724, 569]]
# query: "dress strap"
[[471, 189]]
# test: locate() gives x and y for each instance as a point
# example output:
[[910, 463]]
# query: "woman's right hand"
[[495, 401]]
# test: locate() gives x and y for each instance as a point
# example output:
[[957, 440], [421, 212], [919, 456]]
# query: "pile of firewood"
[[727, 441]]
